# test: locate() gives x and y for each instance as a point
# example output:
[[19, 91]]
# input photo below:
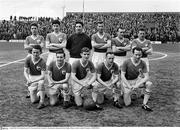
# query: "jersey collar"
[[59, 67], [35, 62], [135, 64], [141, 41], [34, 37], [121, 41], [100, 36], [107, 66], [82, 63]]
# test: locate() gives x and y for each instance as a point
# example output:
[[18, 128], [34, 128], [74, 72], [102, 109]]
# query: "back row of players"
[[109, 68]]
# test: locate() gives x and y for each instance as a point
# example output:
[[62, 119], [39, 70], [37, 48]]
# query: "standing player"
[[134, 75], [120, 46], [107, 78], [101, 41], [58, 75], [55, 41], [83, 75], [34, 72], [33, 39], [144, 44], [76, 42]]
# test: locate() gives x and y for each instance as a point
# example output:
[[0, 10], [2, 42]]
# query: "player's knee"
[[65, 87], [52, 102], [78, 100], [149, 86]]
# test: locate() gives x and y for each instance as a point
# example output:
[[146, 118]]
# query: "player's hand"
[[29, 82], [51, 84], [145, 48]]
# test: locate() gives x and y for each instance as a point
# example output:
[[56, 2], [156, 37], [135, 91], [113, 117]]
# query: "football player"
[[58, 75], [55, 41], [34, 72], [134, 75]]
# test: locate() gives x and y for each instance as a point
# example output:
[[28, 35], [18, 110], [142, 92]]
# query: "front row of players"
[[82, 76]]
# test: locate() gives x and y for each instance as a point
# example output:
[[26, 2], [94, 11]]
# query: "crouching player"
[[83, 75], [107, 78], [34, 72], [59, 73], [134, 75]]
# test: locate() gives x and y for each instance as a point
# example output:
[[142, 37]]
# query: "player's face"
[[100, 27], [85, 55], [141, 34], [110, 58], [34, 30], [78, 28], [36, 53], [56, 27], [121, 33], [137, 55], [60, 58]]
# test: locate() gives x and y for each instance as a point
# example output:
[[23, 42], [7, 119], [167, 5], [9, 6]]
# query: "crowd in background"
[[160, 26]]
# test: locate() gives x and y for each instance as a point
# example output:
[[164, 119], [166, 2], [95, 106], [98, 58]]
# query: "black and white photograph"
[[89, 64]]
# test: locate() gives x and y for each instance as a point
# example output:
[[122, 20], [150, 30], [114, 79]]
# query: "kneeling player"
[[34, 72], [58, 75], [134, 75], [107, 78], [83, 75]]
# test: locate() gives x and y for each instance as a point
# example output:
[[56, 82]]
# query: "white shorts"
[[99, 88], [98, 58], [119, 60], [146, 60], [36, 86], [51, 57], [57, 89], [131, 82], [77, 89]]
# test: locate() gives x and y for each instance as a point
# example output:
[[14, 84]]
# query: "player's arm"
[[40, 77], [124, 80], [115, 79], [42, 42], [143, 80], [100, 81], [116, 49], [126, 48], [92, 79], [49, 77], [59, 46], [64, 80], [149, 49], [26, 74], [51, 46], [107, 45], [76, 80], [96, 45], [27, 45]]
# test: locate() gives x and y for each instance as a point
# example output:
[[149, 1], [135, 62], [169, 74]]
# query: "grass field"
[[16, 110]]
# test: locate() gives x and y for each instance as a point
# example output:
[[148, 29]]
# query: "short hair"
[[136, 48], [79, 22], [34, 24], [85, 49], [38, 47], [109, 52], [100, 22], [61, 52], [142, 29], [56, 22]]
